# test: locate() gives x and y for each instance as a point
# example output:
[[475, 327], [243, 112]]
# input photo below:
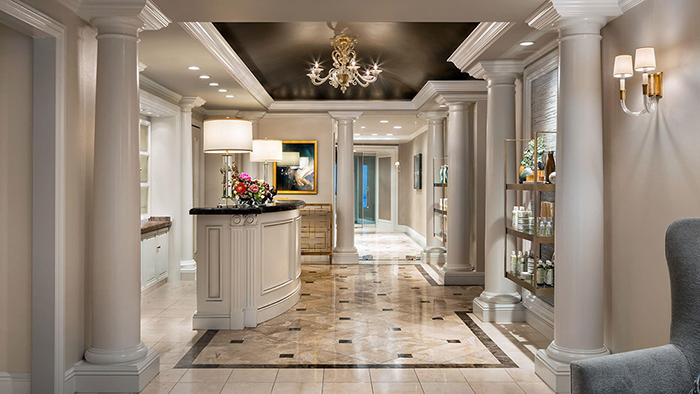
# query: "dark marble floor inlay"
[[345, 341], [424, 302], [237, 341], [387, 310], [286, 355], [309, 281], [395, 329], [405, 355], [305, 294], [438, 318], [344, 318], [343, 288], [454, 341], [381, 294], [344, 302], [301, 309], [295, 329], [457, 294]]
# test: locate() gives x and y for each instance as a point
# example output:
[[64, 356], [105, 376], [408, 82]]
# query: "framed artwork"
[[296, 173], [418, 171]]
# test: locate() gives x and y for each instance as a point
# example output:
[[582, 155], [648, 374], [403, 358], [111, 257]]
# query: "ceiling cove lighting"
[[213, 84], [363, 127], [345, 71], [204, 77], [652, 84], [527, 43], [193, 68]]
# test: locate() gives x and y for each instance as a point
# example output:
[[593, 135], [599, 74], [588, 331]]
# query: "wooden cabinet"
[[317, 229], [154, 257]]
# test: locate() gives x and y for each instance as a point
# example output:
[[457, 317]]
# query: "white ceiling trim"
[[159, 106], [297, 115], [482, 69], [433, 90], [220, 112], [344, 105], [548, 47], [477, 42], [159, 90], [153, 18], [211, 39], [544, 17]]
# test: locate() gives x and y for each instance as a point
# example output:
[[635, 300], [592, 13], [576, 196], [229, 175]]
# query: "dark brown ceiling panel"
[[410, 54]]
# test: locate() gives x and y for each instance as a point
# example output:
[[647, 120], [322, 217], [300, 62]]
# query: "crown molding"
[[627, 5], [433, 90], [340, 105], [297, 115], [191, 102], [345, 115], [216, 113], [142, 67], [153, 18], [543, 17], [418, 132], [72, 5], [158, 105], [252, 115], [547, 48], [478, 42], [483, 69], [159, 90], [211, 39]]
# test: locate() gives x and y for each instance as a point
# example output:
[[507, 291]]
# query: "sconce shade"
[[623, 66], [228, 136], [266, 150], [290, 159], [645, 59]]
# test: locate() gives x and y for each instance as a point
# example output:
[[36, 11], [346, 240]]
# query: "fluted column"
[[579, 274], [187, 104], [345, 251], [116, 264], [434, 252], [500, 300]]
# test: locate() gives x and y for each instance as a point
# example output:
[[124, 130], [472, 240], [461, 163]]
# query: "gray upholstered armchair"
[[665, 369]]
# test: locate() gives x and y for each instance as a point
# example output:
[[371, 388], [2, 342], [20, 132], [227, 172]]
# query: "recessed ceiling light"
[[527, 43], [213, 84], [397, 127], [363, 127], [389, 134], [193, 68], [442, 106], [229, 96], [204, 77], [383, 121], [375, 134], [223, 90]]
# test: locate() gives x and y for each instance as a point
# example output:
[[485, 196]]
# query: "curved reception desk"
[[248, 264]]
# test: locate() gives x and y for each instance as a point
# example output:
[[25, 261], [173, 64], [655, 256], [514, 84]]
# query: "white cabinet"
[[154, 257]]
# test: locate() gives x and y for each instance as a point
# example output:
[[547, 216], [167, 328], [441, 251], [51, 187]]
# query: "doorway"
[[365, 165]]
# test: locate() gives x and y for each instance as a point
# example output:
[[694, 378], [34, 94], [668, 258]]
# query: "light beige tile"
[[397, 387], [346, 375], [169, 375], [496, 388], [158, 388], [486, 375], [198, 375], [247, 388], [347, 388], [523, 375], [198, 388], [299, 376], [447, 388], [384, 375], [535, 388], [439, 375], [297, 388], [253, 375]]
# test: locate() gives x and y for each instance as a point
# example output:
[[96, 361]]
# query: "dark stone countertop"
[[155, 223], [278, 206]]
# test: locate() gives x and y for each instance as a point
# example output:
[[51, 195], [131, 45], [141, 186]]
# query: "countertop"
[[278, 206], [155, 223]]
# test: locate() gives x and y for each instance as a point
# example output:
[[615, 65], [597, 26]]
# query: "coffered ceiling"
[[410, 54]]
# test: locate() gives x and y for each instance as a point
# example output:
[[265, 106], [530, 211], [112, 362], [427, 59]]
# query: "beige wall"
[[384, 201], [651, 167], [15, 200], [412, 201]]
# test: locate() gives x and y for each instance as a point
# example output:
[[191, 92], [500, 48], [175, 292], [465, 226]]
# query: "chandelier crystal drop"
[[345, 71]]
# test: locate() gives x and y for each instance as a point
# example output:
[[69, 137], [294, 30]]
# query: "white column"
[[458, 269], [345, 251], [578, 310], [500, 300], [434, 252], [116, 264], [187, 183]]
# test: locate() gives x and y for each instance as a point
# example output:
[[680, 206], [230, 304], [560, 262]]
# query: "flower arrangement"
[[251, 191]]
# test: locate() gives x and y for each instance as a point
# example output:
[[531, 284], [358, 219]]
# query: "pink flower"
[[239, 188], [245, 176], [253, 188]]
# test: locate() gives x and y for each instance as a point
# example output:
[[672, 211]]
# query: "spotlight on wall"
[[652, 84]]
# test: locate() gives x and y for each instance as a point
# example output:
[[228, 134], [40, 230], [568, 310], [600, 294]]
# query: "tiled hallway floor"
[[490, 358]]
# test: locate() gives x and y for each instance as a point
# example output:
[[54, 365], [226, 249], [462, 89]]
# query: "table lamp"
[[266, 151], [227, 136]]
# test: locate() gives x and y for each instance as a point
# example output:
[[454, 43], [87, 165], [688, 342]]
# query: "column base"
[[188, 270], [458, 278], [115, 378], [345, 257], [557, 374], [435, 256], [499, 313]]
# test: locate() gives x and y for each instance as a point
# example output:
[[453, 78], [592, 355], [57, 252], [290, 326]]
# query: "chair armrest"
[[657, 370]]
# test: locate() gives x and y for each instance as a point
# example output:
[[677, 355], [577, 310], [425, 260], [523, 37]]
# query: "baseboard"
[[15, 382], [499, 313], [385, 225], [130, 377], [539, 315], [555, 374], [419, 239]]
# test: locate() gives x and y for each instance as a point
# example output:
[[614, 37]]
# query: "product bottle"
[[513, 262], [550, 274], [540, 272], [515, 217], [549, 228], [549, 167], [523, 263], [518, 264], [541, 227], [531, 263]]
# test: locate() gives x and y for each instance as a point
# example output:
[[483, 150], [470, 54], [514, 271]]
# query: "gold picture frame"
[[296, 173]]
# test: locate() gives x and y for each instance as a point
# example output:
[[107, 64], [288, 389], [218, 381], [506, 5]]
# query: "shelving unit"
[[533, 191], [439, 199]]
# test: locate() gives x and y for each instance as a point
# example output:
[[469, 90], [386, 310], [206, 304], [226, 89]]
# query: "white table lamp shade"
[[645, 59], [623, 66], [266, 151], [290, 159], [228, 136]]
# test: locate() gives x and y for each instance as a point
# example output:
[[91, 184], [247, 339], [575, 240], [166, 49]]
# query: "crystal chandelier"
[[345, 71]]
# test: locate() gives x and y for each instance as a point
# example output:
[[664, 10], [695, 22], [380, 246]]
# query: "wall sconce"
[[398, 166], [652, 84]]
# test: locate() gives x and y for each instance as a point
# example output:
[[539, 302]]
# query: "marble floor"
[[380, 246], [489, 358]]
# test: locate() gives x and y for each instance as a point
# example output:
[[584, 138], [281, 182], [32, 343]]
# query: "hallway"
[[385, 247]]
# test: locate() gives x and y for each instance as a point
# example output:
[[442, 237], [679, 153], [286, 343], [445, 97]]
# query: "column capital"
[[435, 116], [548, 14], [145, 12], [501, 69], [345, 115], [190, 102]]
